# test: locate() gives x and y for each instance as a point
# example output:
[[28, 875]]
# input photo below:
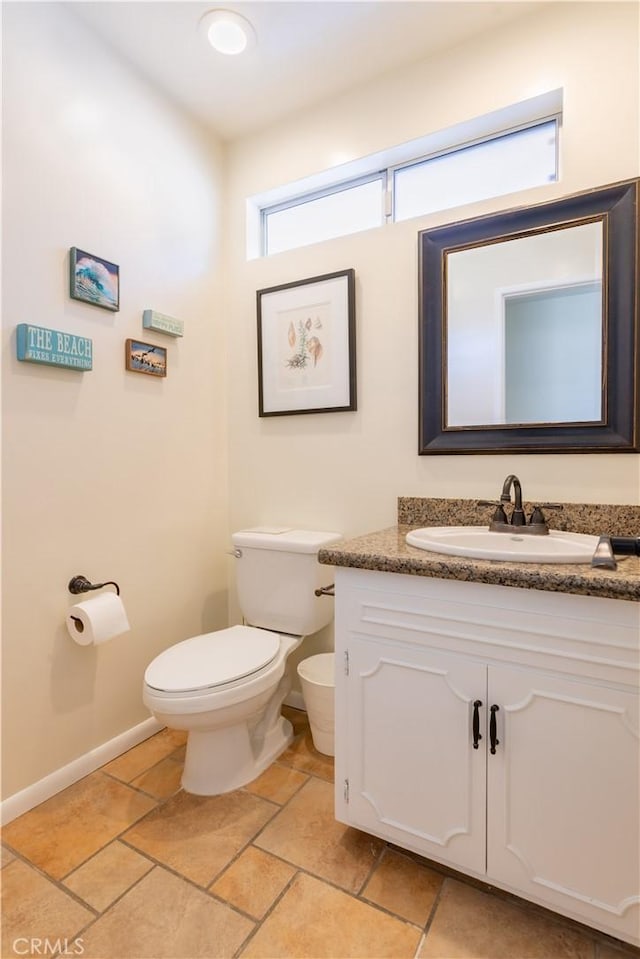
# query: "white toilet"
[[226, 688]]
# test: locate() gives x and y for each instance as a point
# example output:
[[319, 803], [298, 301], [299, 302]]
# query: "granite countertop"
[[387, 551]]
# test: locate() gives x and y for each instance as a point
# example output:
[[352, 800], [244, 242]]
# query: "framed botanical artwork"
[[145, 358], [307, 346], [94, 280]]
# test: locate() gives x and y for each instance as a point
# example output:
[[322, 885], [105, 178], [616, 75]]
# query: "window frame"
[[302, 198], [392, 171], [502, 122]]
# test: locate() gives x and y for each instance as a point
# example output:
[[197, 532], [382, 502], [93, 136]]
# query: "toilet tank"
[[276, 575]]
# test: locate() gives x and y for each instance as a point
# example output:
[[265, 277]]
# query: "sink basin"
[[477, 542]]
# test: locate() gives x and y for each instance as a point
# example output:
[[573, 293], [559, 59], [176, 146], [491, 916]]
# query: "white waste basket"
[[318, 690]]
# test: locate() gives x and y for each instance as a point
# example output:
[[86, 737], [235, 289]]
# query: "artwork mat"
[[327, 380], [131, 346], [113, 270]]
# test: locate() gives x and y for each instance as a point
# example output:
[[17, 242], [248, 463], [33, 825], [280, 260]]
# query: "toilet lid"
[[212, 659]]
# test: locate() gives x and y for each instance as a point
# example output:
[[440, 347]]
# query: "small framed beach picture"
[[307, 346], [94, 280], [145, 358]]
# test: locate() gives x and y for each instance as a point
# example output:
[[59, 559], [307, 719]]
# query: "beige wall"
[[115, 475], [107, 473], [344, 471]]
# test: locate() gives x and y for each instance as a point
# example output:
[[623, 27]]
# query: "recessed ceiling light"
[[227, 31]]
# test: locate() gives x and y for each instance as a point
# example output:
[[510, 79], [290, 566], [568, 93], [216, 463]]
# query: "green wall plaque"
[[162, 323], [38, 344]]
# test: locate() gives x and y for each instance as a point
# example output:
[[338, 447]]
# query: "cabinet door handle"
[[493, 731], [476, 723]]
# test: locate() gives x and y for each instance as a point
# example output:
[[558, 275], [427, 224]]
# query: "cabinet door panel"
[[412, 769], [563, 803]]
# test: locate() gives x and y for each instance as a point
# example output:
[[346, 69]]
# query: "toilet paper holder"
[[80, 584]]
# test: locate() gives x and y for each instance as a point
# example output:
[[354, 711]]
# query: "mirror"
[[508, 302], [528, 328]]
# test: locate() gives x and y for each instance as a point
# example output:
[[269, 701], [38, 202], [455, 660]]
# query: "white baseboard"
[[55, 782]]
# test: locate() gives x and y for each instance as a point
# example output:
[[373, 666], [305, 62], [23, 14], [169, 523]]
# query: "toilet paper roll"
[[98, 619]]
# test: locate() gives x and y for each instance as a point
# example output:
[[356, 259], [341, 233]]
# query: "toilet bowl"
[[226, 688], [217, 687]]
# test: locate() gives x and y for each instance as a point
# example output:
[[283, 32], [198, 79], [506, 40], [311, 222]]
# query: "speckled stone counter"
[[592, 518], [387, 551]]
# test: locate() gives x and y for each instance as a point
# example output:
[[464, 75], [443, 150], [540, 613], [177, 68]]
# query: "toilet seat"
[[212, 660]]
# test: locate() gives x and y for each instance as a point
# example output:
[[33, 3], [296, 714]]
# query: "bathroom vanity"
[[487, 717]]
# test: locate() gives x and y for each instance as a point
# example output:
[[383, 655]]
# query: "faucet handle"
[[499, 515], [537, 517]]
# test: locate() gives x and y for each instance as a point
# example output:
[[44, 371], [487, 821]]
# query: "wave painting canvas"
[[94, 280]]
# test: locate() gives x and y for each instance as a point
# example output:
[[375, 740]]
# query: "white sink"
[[477, 542]]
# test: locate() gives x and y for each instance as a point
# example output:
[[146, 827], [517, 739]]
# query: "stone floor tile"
[[315, 920], [471, 924], [107, 875], [253, 882], [165, 916], [303, 755], [198, 836], [306, 834], [145, 755], [277, 783], [162, 780], [33, 908], [247, 848], [404, 887], [7, 857], [61, 833]]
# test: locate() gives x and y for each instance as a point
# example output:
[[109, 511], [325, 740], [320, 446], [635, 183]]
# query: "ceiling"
[[306, 51]]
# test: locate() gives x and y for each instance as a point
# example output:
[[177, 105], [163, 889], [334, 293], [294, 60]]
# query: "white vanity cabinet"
[[545, 804]]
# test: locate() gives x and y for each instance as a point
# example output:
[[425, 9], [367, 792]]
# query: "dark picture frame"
[[94, 280], [616, 207], [307, 346]]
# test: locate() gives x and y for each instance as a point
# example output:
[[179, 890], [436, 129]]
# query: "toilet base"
[[220, 760], [234, 733]]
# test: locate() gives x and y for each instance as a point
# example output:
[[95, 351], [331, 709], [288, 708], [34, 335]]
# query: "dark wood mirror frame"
[[616, 206]]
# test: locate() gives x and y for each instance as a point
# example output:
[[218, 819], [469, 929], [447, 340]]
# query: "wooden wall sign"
[[38, 344], [162, 323]]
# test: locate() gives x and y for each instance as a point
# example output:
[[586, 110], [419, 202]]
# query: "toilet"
[[226, 688]]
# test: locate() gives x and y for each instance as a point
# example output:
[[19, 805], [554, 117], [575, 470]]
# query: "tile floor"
[[125, 865]]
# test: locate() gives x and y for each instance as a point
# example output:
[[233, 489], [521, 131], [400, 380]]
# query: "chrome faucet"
[[501, 523]]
